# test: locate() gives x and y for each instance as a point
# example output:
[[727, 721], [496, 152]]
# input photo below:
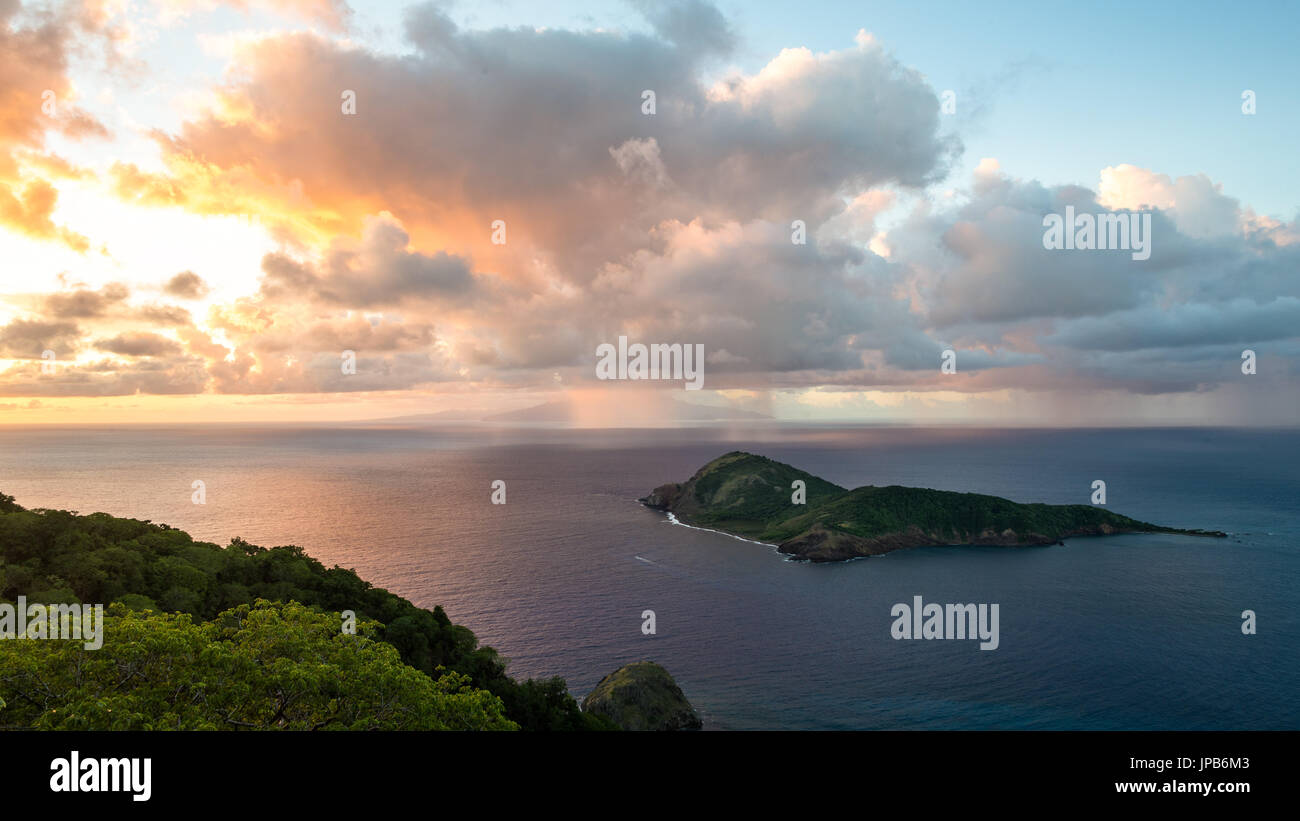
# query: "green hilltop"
[[751, 496]]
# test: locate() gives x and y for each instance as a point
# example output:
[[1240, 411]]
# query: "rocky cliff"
[[642, 696]]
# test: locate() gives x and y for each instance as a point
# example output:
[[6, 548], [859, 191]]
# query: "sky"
[[298, 210]]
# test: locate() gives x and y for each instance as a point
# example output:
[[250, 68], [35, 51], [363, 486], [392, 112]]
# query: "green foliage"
[[268, 666], [56, 555], [873, 511], [135, 601], [748, 493], [546, 705]]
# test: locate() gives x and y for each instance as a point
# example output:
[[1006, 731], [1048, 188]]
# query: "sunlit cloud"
[[491, 204]]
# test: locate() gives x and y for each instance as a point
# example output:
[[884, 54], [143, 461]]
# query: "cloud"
[[27, 208], [640, 160], [83, 303], [990, 266], [1197, 205], [323, 373], [672, 227], [162, 376], [377, 270], [613, 217], [37, 98], [694, 26], [186, 285], [1214, 284], [518, 125], [139, 343], [30, 339], [158, 314], [1236, 322]]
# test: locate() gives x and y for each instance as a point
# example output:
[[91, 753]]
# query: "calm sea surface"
[[1126, 632]]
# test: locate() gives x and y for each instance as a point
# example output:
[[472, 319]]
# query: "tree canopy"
[[58, 556], [268, 665]]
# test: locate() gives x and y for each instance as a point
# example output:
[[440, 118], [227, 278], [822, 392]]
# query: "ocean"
[[1115, 633]]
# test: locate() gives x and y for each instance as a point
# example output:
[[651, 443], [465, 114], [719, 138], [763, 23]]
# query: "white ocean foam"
[[673, 520]]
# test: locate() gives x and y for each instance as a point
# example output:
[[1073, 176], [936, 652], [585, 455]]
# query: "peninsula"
[[754, 497]]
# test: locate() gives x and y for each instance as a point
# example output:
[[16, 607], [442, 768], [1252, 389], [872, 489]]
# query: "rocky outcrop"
[[642, 696], [663, 497], [819, 544]]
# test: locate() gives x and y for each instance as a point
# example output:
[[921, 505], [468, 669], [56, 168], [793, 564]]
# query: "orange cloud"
[[28, 209], [36, 98]]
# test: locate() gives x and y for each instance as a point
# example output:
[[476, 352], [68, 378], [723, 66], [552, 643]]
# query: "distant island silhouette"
[[754, 497]]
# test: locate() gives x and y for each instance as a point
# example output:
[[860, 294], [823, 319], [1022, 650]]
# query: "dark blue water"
[[1124, 632]]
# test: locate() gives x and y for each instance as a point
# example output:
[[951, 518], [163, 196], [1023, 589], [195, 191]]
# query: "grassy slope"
[[749, 494]]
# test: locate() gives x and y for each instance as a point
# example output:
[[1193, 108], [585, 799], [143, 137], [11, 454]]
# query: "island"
[[753, 497]]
